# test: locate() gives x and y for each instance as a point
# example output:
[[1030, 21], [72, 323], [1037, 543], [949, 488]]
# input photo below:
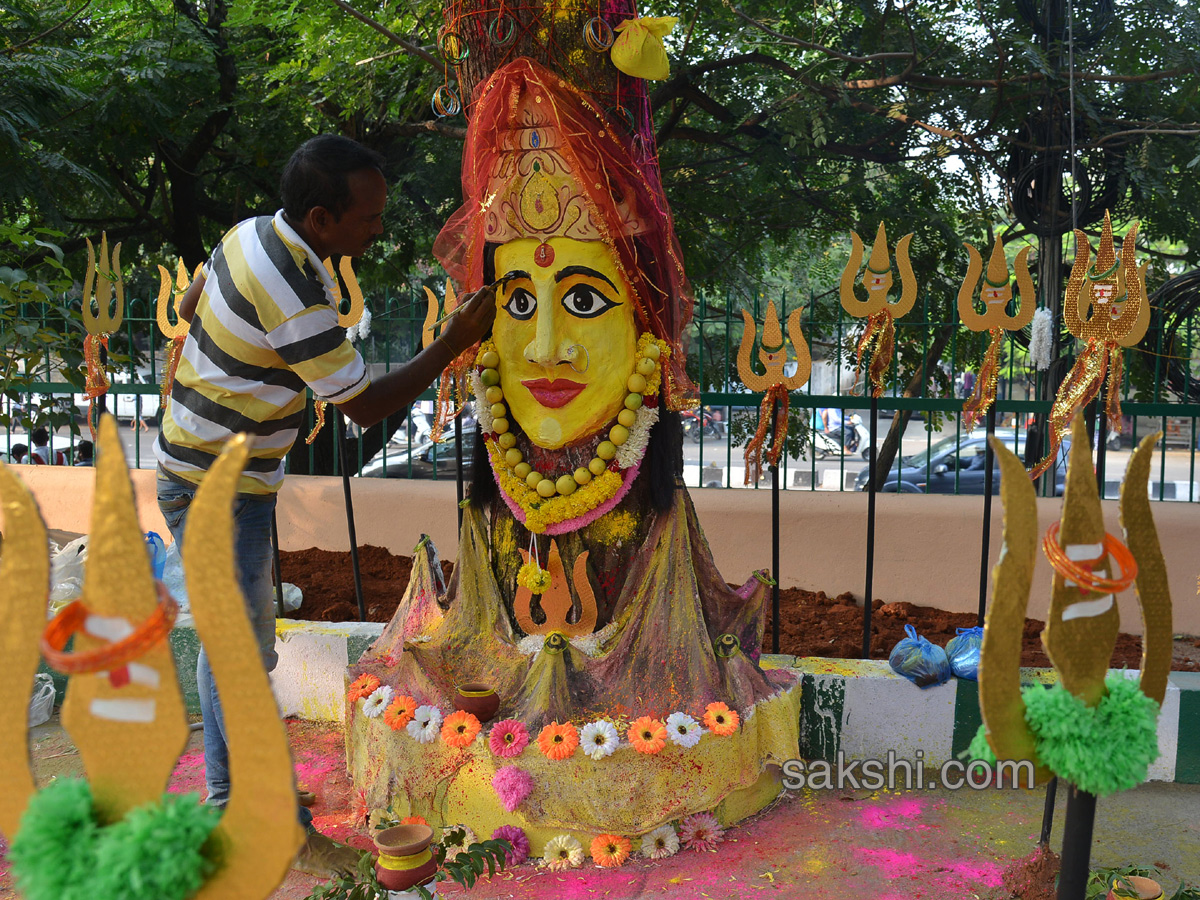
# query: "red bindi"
[[544, 255]]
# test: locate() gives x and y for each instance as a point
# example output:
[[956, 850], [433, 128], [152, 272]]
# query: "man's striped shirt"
[[264, 328]]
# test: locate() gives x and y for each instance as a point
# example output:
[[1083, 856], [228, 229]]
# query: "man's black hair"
[[86, 450], [316, 175], [40, 437], [18, 452]]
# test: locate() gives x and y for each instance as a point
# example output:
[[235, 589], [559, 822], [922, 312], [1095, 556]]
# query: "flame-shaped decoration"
[[1097, 290], [772, 353], [454, 378], [101, 321], [130, 736], [994, 319], [348, 318], [879, 337], [168, 301], [1082, 624], [556, 602]]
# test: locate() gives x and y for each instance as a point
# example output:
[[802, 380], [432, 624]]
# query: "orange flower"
[[363, 686], [558, 741], [460, 729], [400, 712], [413, 820], [610, 850], [647, 735], [720, 719]]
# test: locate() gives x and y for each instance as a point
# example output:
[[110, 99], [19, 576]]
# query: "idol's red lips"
[[553, 394]]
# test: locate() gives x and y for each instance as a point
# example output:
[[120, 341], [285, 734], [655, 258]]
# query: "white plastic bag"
[[66, 573], [42, 703], [173, 576], [292, 597]]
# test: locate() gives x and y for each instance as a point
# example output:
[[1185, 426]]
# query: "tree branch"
[[9, 51], [409, 47], [828, 51]]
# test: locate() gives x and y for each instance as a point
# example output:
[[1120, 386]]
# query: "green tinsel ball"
[[156, 852], [1101, 749]]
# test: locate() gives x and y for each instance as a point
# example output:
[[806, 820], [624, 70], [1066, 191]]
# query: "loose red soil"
[[811, 624]]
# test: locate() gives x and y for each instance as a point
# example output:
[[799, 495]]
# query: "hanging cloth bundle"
[[776, 398], [879, 339], [984, 394]]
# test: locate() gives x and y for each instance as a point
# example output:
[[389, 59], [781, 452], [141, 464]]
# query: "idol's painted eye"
[[521, 305], [586, 302]]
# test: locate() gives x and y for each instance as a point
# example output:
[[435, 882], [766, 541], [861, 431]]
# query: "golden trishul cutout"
[[348, 319], [455, 375], [1105, 306], [996, 294], [168, 302], [772, 353], [1081, 628], [130, 737], [556, 601], [877, 309], [101, 321]]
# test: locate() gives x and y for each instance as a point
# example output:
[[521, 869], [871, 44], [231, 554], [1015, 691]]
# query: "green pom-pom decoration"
[[156, 852], [1101, 749], [53, 853], [980, 749]]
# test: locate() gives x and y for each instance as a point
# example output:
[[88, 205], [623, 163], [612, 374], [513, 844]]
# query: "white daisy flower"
[[661, 842], [375, 704], [563, 852], [599, 739], [426, 724], [683, 730], [468, 838]]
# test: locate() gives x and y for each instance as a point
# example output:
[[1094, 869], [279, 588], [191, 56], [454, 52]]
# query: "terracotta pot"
[[481, 700], [404, 856], [1147, 888]]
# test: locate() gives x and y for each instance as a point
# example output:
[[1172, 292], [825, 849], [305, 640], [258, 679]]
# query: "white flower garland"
[[1041, 339], [483, 409], [631, 452]]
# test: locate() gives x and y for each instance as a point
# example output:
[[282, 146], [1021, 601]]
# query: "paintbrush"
[[498, 283]]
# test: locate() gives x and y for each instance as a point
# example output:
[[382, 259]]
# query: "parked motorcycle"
[[852, 437], [705, 422]]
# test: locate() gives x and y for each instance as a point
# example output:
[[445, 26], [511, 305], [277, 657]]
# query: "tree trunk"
[[891, 443]]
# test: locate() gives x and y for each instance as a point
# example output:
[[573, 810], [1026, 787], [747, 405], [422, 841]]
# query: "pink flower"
[[508, 738], [701, 832], [512, 786], [520, 844]]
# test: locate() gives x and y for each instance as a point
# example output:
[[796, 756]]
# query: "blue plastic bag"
[[922, 663], [158, 553], [963, 651]]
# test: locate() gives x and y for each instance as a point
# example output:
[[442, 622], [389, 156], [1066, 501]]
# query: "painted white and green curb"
[[859, 709]]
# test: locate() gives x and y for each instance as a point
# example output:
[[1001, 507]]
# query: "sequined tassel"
[[454, 380], [96, 384], [1078, 389], [174, 349], [319, 421], [1112, 402], [984, 394], [776, 398], [880, 340]]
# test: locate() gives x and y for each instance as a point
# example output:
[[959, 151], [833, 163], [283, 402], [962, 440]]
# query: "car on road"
[[425, 459], [954, 465]]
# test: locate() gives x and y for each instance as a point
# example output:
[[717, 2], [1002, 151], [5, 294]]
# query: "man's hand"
[[472, 322]]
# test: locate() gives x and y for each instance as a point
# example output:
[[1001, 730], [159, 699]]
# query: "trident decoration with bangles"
[[996, 294], [349, 313], [102, 321], [1102, 308], [1093, 729], [773, 384], [124, 709], [878, 340], [168, 301]]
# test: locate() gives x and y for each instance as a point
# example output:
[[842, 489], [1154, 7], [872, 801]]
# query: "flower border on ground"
[[660, 843], [363, 686], [647, 735], [558, 741], [520, 844], [611, 850], [701, 831], [562, 852]]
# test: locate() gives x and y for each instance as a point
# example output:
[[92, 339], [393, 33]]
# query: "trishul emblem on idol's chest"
[[996, 294], [880, 312], [556, 600]]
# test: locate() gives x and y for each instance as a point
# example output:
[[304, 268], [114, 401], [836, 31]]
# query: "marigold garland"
[[720, 719], [400, 712], [558, 741], [534, 577], [460, 728], [647, 735], [611, 850], [362, 687]]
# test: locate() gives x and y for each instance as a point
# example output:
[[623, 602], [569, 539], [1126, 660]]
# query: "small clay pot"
[[404, 856], [481, 700], [1147, 888]]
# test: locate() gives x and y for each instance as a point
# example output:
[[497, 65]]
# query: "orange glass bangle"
[[71, 619], [1084, 576]]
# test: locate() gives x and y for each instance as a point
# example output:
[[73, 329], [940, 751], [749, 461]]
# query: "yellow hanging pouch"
[[638, 49]]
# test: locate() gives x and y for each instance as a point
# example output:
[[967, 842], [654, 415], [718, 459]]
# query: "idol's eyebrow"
[[514, 274], [568, 271]]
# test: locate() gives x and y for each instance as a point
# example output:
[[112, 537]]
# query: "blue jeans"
[[252, 550]]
